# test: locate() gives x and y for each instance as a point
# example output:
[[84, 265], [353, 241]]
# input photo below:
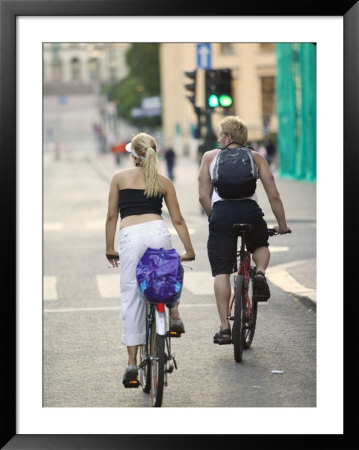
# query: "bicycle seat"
[[242, 228]]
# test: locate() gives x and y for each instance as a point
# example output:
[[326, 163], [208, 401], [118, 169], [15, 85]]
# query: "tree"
[[143, 80]]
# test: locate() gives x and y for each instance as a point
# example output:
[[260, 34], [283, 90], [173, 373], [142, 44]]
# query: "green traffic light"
[[225, 101], [213, 101]]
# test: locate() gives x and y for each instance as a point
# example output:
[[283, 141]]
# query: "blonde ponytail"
[[145, 147], [150, 170]]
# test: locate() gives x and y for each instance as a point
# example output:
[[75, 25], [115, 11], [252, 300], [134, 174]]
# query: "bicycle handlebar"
[[273, 232]]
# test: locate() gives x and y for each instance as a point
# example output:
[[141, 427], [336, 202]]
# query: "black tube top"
[[133, 202]]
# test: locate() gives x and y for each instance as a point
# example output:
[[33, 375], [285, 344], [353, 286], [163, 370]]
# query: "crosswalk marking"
[[199, 282], [50, 292], [174, 232], [109, 285], [117, 308], [53, 226], [95, 225], [98, 225], [274, 249]]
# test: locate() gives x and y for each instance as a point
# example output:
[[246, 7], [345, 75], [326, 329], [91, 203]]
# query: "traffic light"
[[191, 87], [218, 88], [225, 90]]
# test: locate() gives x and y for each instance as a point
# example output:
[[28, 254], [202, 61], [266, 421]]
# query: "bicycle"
[[157, 359], [243, 306]]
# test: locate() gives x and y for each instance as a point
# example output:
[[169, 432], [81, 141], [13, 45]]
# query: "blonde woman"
[[137, 195]]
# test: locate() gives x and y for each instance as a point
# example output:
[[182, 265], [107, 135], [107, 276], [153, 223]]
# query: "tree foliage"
[[143, 80]]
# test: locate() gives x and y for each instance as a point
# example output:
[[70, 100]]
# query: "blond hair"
[[145, 147], [236, 128]]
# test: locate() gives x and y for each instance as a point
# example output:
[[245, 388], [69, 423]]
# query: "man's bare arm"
[[271, 190]]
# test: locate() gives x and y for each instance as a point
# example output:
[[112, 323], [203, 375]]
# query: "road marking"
[[117, 308], [94, 308], [174, 232], [274, 249], [53, 226], [50, 292], [199, 283], [95, 225], [99, 225], [109, 285], [279, 276]]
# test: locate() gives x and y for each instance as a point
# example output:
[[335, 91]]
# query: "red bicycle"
[[244, 304]]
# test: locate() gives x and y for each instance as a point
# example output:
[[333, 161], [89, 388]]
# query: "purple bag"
[[159, 275]]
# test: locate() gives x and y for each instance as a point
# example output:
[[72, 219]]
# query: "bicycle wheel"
[[145, 371], [145, 364], [157, 352], [238, 320], [250, 315]]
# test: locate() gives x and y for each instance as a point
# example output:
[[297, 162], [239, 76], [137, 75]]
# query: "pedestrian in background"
[[118, 149], [170, 157], [270, 151], [137, 195], [223, 214]]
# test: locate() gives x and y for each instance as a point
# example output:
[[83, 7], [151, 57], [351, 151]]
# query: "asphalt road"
[[83, 358]]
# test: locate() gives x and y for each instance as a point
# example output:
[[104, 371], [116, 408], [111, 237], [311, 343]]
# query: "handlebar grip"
[[112, 257], [273, 232]]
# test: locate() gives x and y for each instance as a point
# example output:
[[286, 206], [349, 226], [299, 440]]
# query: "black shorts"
[[222, 241]]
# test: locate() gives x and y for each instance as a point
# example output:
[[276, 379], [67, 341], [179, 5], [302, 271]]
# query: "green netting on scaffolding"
[[296, 110]]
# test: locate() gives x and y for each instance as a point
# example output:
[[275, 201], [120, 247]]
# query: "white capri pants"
[[134, 240]]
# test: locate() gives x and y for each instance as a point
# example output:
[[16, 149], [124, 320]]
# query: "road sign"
[[204, 56]]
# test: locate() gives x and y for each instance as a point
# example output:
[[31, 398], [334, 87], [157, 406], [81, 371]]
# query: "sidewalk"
[[298, 278]]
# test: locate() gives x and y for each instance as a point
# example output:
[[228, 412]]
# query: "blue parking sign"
[[204, 56]]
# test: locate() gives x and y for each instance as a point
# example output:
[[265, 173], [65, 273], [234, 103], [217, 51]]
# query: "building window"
[[267, 47], [94, 68], [226, 48], [56, 71], [75, 69]]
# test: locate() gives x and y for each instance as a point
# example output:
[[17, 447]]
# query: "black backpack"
[[235, 172]]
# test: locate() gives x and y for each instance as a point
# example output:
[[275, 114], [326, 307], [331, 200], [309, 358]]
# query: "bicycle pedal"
[[131, 383], [224, 341], [174, 334]]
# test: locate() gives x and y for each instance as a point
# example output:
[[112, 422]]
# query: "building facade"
[[253, 67], [82, 66]]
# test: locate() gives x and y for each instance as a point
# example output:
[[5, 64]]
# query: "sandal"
[[176, 326], [131, 373], [223, 337], [129, 379], [260, 287]]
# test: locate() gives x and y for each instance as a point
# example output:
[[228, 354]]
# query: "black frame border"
[[9, 10]]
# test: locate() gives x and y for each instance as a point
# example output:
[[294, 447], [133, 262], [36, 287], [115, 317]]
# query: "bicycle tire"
[[238, 320], [145, 371], [157, 352], [250, 315]]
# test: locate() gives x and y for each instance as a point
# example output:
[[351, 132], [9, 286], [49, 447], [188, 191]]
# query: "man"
[[222, 214]]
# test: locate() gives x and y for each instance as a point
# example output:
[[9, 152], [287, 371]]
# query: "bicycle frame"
[[244, 269], [159, 309]]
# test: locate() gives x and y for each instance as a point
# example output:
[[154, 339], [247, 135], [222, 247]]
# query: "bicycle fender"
[[160, 323]]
